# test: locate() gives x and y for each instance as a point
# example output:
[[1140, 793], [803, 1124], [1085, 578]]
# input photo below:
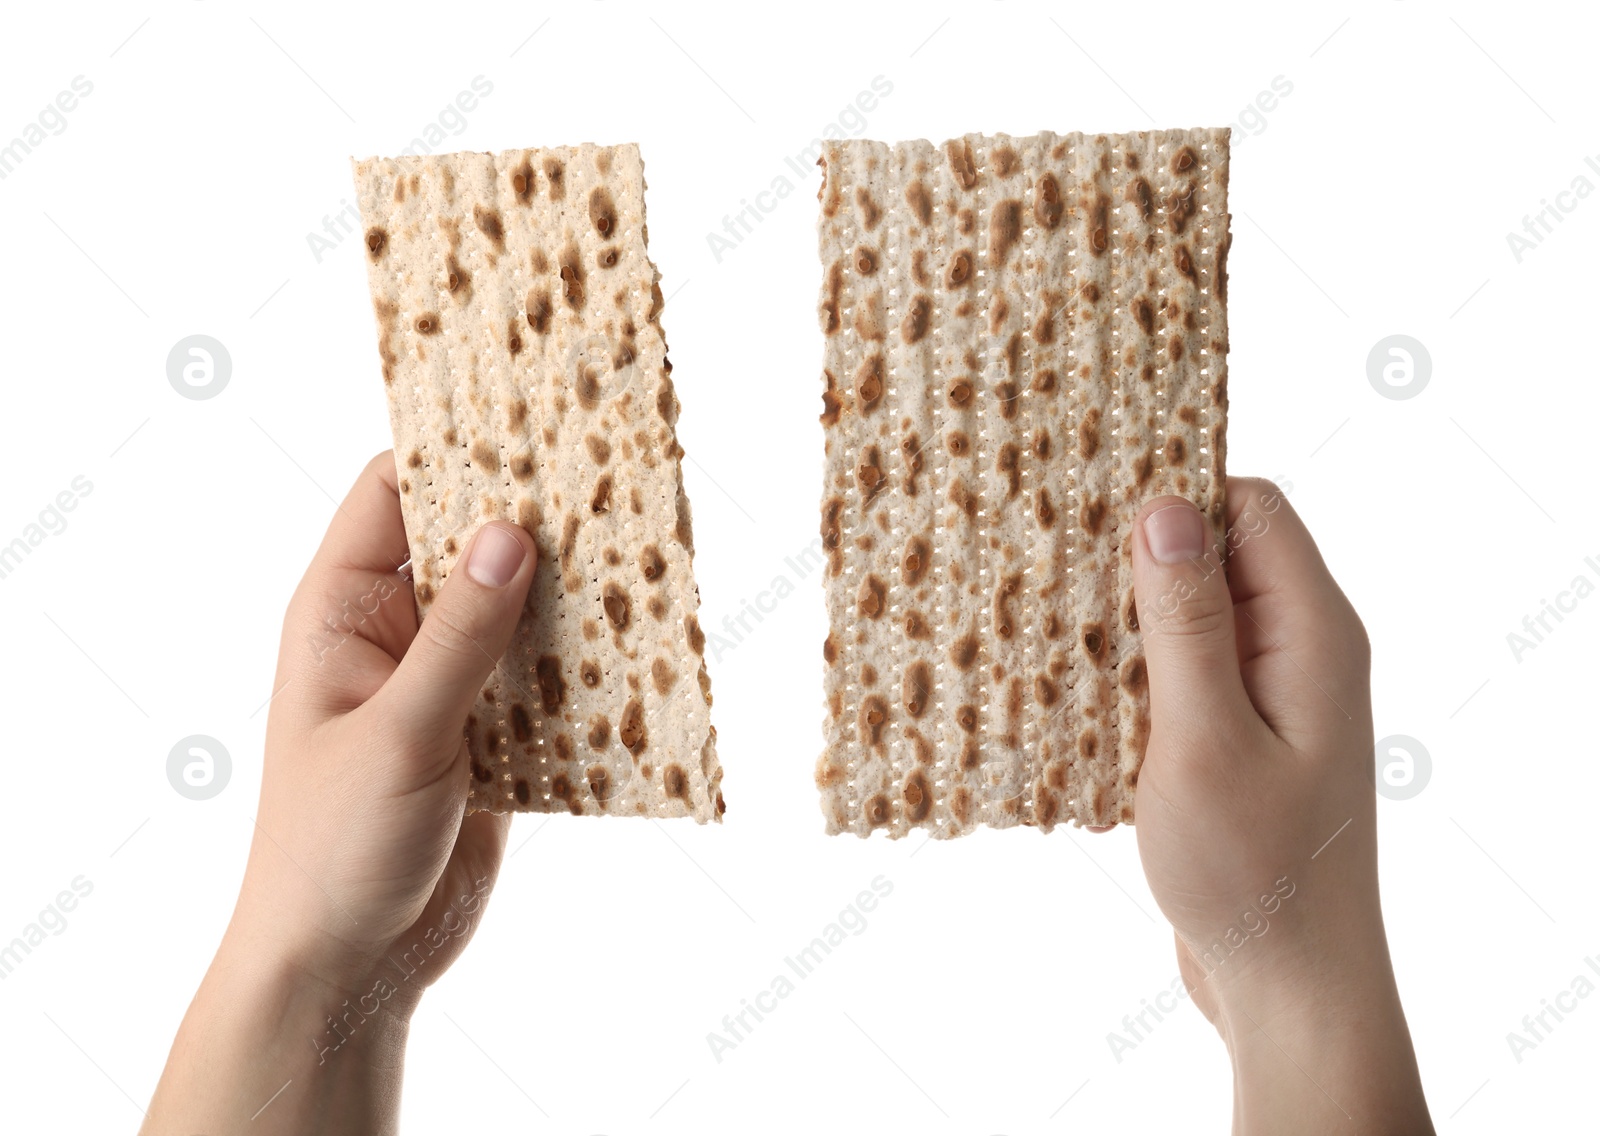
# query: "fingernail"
[[1175, 533], [495, 557]]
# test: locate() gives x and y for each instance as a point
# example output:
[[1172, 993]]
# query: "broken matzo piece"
[[527, 377], [1025, 339]]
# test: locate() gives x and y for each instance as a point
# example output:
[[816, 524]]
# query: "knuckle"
[[1338, 629], [1355, 640], [1256, 494], [1206, 614], [1257, 486], [451, 630], [395, 744], [302, 630]]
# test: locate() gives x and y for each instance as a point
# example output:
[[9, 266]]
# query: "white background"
[[1375, 200]]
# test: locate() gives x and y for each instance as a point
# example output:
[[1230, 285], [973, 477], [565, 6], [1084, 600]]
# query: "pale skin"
[[1258, 780], [362, 843], [363, 848]]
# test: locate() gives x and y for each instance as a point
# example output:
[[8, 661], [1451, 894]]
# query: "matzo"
[[528, 381], [1026, 338]]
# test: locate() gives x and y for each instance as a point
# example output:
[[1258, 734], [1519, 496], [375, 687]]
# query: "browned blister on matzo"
[[528, 381], [1026, 338]]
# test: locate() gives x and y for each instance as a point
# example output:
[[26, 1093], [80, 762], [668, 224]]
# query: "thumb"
[[1185, 616], [427, 699]]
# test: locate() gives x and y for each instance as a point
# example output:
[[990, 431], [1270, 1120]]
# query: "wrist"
[[283, 942], [1303, 941], [1343, 1063], [1318, 1039], [269, 1046], [322, 979]]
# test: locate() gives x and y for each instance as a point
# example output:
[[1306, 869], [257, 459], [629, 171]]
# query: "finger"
[[473, 866], [1303, 649], [426, 701], [1196, 980], [1270, 550], [1186, 617], [351, 595], [367, 532], [456, 905], [351, 599]]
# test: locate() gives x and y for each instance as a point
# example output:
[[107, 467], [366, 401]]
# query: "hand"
[[361, 852], [1256, 815]]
